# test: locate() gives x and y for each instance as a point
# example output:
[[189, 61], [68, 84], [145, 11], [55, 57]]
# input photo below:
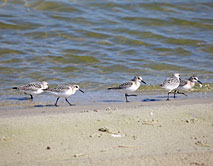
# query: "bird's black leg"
[[181, 93], [132, 95], [31, 97], [56, 101], [175, 93], [126, 95], [168, 96], [68, 102]]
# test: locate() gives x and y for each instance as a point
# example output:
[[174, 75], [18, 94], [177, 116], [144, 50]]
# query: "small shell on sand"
[[116, 135]]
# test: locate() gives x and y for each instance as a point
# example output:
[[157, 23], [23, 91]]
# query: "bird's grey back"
[[60, 88], [126, 85], [31, 86], [183, 82], [171, 81]]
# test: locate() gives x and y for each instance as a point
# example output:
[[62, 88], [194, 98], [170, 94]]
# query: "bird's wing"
[[123, 86], [60, 88], [183, 82], [126, 85], [167, 81], [34, 86], [170, 81]]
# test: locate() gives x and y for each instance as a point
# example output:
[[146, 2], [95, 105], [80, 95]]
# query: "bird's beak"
[[199, 82], [143, 82], [81, 90]]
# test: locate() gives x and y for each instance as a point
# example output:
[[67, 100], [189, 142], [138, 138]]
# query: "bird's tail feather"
[[14, 87]]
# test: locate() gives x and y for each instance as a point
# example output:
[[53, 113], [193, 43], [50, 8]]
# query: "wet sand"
[[178, 132]]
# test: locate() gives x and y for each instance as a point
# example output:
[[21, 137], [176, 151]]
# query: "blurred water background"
[[98, 43]]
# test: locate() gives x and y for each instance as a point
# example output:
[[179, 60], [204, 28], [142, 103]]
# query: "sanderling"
[[33, 88], [130, 86], [187, 84], [171, 83], [64, 91]]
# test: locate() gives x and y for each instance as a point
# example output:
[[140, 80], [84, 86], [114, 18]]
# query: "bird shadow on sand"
[[111, 101], [150, 100], [170, 97], [19, 99]]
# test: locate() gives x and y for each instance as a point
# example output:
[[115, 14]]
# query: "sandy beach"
[[178, 132]]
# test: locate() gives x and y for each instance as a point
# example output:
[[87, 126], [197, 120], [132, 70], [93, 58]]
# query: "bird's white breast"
[[134, 87]]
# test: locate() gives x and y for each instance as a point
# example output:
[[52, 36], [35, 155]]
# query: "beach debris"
[[110, 109], [5, 138], [116, 147], [191, 120], [105, 150], [48, 148], [134, 137], [96, 134], [202, 144], [149, 122], [104, 129], [95, 110], [79, 155], [116, 135], [151, 113], [197, 164], [126, 146], [113, 134]]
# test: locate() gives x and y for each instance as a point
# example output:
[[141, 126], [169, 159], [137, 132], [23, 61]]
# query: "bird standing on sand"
[[171, 83], [33, 88], [64, 91], [130, 86], [187, 84]]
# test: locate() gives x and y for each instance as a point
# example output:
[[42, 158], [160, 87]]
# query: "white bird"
[[187, 85], [171, 83], [33, 88], [64, 91], [130, 86]]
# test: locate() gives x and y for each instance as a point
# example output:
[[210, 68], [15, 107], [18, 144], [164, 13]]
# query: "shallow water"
[[100, 43]]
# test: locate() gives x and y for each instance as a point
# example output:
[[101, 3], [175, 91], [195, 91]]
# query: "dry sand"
[[178, 132]]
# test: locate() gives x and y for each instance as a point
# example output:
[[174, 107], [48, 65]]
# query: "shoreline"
[[21, 101], [46, 108], [176, 132]]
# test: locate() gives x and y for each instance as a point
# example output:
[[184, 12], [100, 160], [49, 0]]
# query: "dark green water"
[[98, 43]]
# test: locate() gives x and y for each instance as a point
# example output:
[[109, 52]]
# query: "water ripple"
[[96, 42]]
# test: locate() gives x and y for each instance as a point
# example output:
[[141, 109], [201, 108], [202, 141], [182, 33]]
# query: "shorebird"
[[187, 85], [64, 91], [130, 86], [171, 83], [33, 88]]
